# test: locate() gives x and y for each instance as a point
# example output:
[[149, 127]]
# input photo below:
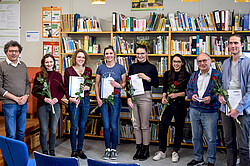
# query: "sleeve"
[[37, 87], [165, 82], [245, 101], [2, 90], [190, 87], [27, 89], [98, 70], [123, 71], [60, 91], [66, 83], [154, 78]]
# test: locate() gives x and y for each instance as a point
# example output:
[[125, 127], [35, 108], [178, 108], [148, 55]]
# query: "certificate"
[[74, 85], [234, 99], [107, 88], [137, 84]]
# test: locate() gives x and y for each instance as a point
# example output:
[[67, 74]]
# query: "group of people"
[[198, 87]]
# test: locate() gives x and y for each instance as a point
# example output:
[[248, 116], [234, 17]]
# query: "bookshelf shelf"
[[80, 33], [202, 32], [141, 32]]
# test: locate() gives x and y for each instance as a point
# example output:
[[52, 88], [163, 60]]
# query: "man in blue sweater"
[[203, 109], [236, 76]]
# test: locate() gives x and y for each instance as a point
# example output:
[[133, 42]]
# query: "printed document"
[[234, 99], [107, 88], [74, 85], [137, 84]]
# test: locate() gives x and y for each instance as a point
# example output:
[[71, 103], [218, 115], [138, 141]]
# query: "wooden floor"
[[31, 126]]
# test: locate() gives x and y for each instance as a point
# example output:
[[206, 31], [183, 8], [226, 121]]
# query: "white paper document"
[[74, 85], [235, 97], [199, 99], [137, 84], [107, 88]]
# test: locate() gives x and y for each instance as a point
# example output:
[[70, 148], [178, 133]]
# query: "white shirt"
[[11, 63], [202, 82]]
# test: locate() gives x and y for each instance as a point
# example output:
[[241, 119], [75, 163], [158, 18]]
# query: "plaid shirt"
[[193, 89]]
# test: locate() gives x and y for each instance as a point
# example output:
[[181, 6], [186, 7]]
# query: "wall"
[[31, 19]]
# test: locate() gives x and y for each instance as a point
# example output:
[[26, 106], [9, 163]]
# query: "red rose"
[[128, 78], [176, 83], [116, 92], [213, 78]]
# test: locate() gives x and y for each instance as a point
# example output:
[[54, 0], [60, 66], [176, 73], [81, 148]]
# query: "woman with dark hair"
[[78, 108], [142, 105], [115, 75], [44, 103], [176, 107]]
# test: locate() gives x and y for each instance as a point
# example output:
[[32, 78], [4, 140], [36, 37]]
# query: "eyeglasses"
[[204, 61], [176, 61], [13, 51]]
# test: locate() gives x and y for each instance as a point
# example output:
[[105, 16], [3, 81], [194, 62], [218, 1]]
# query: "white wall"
[[31, 16]]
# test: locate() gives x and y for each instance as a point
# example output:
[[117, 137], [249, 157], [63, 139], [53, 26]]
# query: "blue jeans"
[[81, 115], [208, 122], [15, 120], [110, 115], [232, 131], [48, 119]]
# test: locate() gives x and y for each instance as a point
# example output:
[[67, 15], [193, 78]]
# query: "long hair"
[[171, 75], [75, 54], [43, 68]]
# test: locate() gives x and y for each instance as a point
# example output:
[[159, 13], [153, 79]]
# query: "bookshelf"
[[104, 38]]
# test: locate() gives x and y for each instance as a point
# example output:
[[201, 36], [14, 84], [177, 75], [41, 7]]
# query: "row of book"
[[127, 131], [217, 20], [212, 45], [76, 23], [155, 22], [88, 43], [94, 126]]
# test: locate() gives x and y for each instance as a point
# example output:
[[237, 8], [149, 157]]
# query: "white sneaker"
[[175, 157], [159, 155]]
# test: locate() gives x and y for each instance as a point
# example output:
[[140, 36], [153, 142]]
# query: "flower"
[[176, 83], [218, 90], [129, 89], [128, 78], [116, 92]]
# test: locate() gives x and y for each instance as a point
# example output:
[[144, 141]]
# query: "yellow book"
[[86, 43]]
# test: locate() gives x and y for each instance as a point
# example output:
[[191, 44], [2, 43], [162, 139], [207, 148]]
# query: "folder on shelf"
[[217, 19]]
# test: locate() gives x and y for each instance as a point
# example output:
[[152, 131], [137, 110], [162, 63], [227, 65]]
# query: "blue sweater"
[[193, 89]]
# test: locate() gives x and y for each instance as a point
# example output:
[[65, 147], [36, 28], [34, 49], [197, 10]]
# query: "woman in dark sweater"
[[142, 106], [44, 103], [176, 108], [78, 114]]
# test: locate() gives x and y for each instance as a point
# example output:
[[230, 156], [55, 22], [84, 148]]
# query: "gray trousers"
[[233, 131], [142, 109]]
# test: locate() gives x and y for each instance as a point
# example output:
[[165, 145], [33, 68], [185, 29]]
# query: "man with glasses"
[[236, 77], [203, 109], [14, 91]]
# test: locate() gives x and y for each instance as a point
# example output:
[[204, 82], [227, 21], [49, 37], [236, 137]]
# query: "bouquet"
[[130, 90], [172, 89], [218, 90], [108, 100], [46, 91], [86, 81]]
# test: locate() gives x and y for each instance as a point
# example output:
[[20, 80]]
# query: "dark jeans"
[[48, 120], [232, 131], [15, 120], [110, 115], [179, 112], [80, 119]]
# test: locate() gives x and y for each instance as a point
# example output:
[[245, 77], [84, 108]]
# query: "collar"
[[11, 63], [209, 72], [243, 56]]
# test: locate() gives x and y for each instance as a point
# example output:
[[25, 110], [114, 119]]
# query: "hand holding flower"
[[130, 104], [221, 99], [85, 88], [99, 102], [233, 113], [55, 100], [164, 100], [115, 84], [206, 99]]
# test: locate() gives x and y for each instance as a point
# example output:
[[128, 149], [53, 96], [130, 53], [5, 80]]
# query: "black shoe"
[[138, 151], [45, 152], [81, 154], [210, 164], [144, 153], [74, 154], [52, 153], [195, 163]]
